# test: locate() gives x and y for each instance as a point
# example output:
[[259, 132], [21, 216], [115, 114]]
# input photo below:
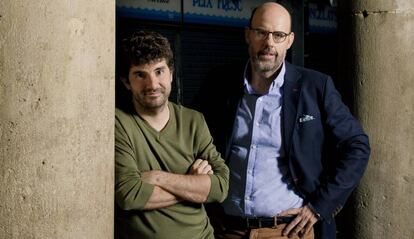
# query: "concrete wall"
[[56, 118], [381, 50]]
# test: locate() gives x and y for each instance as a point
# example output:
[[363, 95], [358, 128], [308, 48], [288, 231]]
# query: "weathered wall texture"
[[56, 119], [382, 47]]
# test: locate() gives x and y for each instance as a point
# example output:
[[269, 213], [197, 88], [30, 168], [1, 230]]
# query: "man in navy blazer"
[[294, 150]]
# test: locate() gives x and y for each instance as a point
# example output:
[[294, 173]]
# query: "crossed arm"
[[170, 188], [139, 187]]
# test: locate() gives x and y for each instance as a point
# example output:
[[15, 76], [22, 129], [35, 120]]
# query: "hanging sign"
[[164, 10], [219, 12]]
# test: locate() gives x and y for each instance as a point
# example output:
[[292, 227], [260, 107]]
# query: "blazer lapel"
[[291, 92]]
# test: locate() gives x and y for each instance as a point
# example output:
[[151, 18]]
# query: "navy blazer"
[[326, 146]]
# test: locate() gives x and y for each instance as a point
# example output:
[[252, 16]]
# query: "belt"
[[242, 223]]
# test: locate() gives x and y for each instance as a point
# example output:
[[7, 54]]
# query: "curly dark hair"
[[143, 47]]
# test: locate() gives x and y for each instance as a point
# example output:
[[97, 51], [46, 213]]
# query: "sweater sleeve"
[[220, 177], [131, 193]]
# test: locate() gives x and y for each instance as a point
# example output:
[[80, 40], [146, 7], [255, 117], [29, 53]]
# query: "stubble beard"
[[143, 101], [265, 66]]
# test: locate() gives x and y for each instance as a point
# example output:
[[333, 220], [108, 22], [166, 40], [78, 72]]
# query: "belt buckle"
[[274, 222]]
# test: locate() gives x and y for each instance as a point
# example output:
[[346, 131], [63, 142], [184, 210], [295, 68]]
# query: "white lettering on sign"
[[202, 3], [229, 5]]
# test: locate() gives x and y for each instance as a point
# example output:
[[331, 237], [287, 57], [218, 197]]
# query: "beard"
[[150, 102], [266, 65]]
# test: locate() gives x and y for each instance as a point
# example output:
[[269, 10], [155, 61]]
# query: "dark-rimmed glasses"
[[277, 36]]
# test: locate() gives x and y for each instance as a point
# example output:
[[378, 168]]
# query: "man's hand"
[[200, 167], [303, 223]]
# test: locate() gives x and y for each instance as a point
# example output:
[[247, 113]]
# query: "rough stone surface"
[[379, 5], [56, 120], [383, 48]]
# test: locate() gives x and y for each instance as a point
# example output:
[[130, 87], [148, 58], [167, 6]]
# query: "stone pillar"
[[381, 48], [56, 119]]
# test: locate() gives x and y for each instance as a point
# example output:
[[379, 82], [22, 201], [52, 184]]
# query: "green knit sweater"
[[140, 148]]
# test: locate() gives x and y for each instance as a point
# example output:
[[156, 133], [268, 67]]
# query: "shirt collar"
[[276, 83]]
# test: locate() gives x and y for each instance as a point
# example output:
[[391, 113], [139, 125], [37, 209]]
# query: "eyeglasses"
[[261, 34]]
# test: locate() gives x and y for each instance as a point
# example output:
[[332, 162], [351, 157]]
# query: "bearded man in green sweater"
[[166, 165]]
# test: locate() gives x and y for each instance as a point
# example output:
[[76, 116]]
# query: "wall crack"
[[366, 13]]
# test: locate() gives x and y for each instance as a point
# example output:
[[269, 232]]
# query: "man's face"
[[150, 85], [265, 54]]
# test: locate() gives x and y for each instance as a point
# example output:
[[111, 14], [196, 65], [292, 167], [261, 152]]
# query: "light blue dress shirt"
[[260, 182]]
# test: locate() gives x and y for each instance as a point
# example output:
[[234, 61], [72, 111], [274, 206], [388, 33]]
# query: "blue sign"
[[164, 10], [219, 12]]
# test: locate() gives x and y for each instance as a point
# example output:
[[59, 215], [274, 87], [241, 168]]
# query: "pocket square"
[[305, 118]]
